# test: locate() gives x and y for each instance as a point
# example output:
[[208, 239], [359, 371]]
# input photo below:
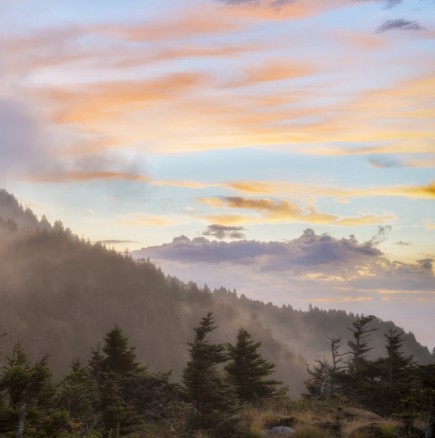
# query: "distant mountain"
[[60, 294]]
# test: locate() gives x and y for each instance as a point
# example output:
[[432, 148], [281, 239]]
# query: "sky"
[[285, 148]]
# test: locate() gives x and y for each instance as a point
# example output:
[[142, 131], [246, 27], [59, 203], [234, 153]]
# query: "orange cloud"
[[400, 292], [62, 177], [139, 58], [301, 190], [195, 185], [194, 111], [283, 211], [141, 220], [359, 40], [109, 99], [274, 71], [192, 23], [280, 10]]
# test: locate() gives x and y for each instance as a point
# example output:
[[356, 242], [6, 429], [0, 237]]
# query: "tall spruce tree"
[[78, 396], [29, 393], [249, 371], [357, 384], [116, 371], [359, 345], [213, 399], [129, 395]]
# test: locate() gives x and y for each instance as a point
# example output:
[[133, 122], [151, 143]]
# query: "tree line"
[[391, 385], [113, 395]]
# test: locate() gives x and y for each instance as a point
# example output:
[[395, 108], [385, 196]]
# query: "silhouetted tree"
[[212, 398], [29, 393], [359, 346], [248, 370], [78, 396]]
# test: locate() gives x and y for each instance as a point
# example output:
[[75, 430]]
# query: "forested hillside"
[[59, 295]]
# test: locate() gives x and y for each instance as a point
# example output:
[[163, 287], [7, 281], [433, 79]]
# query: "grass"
[[309, 419], [311, 432]]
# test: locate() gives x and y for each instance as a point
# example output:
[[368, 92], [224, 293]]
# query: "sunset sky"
[[285, 148]]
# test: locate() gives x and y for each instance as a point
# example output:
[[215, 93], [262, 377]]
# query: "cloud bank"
[[323, 258]]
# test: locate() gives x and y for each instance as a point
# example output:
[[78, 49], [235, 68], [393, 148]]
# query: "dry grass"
[[354, 428], [258, 419], [309, 419], [310, 432]]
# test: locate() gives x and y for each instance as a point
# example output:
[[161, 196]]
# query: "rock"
[[279, 431], [361, 414]]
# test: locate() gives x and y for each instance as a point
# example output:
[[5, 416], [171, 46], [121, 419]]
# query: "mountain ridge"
[[60, 294]]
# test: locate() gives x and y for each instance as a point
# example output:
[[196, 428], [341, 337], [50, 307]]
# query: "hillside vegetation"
[[62, 296]]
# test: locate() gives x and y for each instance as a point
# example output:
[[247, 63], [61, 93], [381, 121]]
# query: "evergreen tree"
[[356, 383], [78, 396], [129, 395], [29, 394], [427, 373], [115, 370], [359, 346], [397, 364], [212, 398], [118, 356], [390, 378], [248, 370]]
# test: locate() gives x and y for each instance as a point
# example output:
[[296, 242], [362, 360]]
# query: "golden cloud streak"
[[277, 188], [106, 100], [400, 292], [194, 185], [397, 120], [140, 220], [275, 71], [63, 177], [284, 211], [346, 299]]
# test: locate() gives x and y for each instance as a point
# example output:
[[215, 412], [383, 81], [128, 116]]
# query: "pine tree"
[[359, 346], [248, 370], [116, 371], [357, 384], [128, 393], [118, 357], [29, 393], [212, 398], [78, 396], [397, 364]]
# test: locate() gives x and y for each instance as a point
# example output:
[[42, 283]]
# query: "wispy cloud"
[[224, 232], [294, 189], [81, 176], [402, 243], [112, 99], [142, 220], [274, 71], [284, 211], [192, 23], [399, 24]]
